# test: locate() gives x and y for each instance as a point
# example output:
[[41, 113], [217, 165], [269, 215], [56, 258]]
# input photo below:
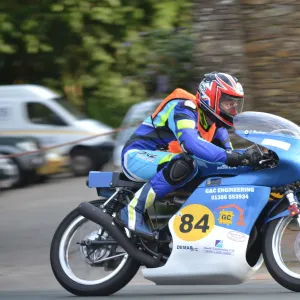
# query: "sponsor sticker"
[[193, 222], [146, 156], [219, 249], [234, 193], [226, 215], [236, 236], [187, 248], [275, 143], [225, 167], [230, 190], [255, 131]]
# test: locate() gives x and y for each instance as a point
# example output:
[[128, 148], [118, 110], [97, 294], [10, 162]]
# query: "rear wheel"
[[281, 250], [86, 269]]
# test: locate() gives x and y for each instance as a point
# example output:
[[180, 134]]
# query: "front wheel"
[[281, 251], [86, 269]]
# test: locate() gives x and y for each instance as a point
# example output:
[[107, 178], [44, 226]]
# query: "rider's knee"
[[181, 169]]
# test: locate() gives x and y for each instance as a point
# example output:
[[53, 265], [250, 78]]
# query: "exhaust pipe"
[[95, 214]]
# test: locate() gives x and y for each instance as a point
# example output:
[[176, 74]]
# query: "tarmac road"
[[29, 217]]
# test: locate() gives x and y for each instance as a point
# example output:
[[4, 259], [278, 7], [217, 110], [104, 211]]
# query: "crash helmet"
[[221, 97]]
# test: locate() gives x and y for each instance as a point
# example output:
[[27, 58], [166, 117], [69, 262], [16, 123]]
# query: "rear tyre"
[[126, 270]]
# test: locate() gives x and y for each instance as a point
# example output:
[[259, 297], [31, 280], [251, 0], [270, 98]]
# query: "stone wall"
[[259, 42]]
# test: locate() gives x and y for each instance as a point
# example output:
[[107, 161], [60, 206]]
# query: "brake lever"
[[265, 160], [246, 162]]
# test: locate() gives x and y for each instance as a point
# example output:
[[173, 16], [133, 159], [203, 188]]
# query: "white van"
[[137, 113], [38, 111]]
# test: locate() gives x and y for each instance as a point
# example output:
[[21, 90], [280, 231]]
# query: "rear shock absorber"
[[111, 204], [109, 207]]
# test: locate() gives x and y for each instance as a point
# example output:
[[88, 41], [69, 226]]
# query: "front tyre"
[[283, 263], [70, 260]]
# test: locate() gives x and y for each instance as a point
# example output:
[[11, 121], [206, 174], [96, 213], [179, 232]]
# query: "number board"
[[193, 222]]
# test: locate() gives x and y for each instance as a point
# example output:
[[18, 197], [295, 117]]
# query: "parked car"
[[38, 111], [136, 114], [30, 167], [8, 173], [55, 163], [26, 165]]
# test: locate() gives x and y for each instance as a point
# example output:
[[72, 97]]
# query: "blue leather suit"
[[144, 161]]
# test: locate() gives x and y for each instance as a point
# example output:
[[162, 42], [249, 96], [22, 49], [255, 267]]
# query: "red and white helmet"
[[221, 97]]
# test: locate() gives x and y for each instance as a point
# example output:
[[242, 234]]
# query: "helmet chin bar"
[[214, 117]]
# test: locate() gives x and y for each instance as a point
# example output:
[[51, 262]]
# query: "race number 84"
[[193, 222], [187, 223]]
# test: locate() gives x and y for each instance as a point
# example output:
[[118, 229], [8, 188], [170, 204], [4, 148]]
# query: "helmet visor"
[[231, 105]]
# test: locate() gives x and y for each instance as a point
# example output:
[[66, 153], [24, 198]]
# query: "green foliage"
[[169, 59], [95, 51]]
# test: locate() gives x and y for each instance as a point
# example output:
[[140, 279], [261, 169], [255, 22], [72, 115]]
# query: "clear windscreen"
[[259, 122]]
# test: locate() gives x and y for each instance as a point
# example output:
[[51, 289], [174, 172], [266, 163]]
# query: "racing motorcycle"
[[218, 229]]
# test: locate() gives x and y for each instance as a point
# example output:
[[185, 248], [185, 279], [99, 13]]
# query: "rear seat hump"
[[98, 179]]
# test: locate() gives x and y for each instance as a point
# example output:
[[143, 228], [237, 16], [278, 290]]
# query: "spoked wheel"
[[86, 261], [281, 249]]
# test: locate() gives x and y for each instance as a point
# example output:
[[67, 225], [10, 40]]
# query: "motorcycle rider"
[[161, 150]]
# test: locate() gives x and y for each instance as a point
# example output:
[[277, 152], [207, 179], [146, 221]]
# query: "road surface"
[[29, 217]]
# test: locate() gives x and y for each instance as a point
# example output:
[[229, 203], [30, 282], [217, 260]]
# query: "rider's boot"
[[131, 216]]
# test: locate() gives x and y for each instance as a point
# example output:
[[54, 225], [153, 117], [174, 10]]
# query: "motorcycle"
[[218, 229]]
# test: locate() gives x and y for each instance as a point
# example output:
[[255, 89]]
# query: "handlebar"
[[268, 158]]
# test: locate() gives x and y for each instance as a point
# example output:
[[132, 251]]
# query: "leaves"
[[107, 51]]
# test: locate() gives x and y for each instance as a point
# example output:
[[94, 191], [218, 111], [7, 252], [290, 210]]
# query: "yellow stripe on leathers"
[[131, 211], [133, 203], [150, 198], [184, 124]]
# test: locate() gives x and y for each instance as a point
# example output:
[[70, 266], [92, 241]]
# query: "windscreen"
[[259, 122]]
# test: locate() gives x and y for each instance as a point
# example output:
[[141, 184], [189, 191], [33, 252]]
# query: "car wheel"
[[15, 172], [81, 162]]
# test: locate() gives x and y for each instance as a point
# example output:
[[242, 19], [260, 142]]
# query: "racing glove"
[[250, 157]]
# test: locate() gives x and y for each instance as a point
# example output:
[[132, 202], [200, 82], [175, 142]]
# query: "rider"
[[161, 150]]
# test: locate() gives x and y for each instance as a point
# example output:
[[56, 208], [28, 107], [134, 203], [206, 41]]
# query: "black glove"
[[250, 157], [234, 159]]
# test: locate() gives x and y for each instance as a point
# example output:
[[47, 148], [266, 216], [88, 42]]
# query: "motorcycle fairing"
[[218, 257]]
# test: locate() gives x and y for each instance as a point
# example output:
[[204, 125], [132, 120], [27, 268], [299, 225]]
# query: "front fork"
[[293, 207]]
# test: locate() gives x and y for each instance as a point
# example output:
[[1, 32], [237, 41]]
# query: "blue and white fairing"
[[211, 230], [272, 132]]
